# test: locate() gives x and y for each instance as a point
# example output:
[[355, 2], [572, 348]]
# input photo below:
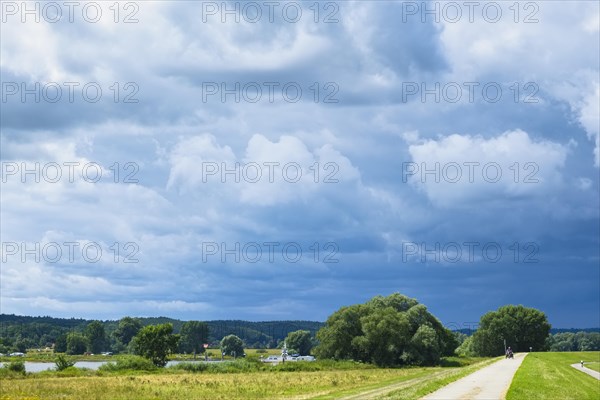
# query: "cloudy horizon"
[[276, 161]]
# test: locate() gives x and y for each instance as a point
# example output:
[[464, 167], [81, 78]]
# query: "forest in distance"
[[19, 333]]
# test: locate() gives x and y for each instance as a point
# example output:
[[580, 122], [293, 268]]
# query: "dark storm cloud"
[[389, 233]]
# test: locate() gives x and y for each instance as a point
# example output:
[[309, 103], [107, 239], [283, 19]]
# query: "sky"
[[279, 160]]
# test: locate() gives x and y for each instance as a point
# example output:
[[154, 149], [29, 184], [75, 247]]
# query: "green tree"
[[155, 342], [466, 348], [385, 336], [4, 346], [96, 337], [587, 341], [520, 326], [22, 344], [193, 335], [127, 329], [569, 341], [386, 331], [60, 345], [299, 342], [62, 363], [424, 347], [76, 343], [232, 345], [338, 337]]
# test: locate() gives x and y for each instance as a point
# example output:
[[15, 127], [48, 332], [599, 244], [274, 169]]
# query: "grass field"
[[542, 376], [271, 383], [550, 376]]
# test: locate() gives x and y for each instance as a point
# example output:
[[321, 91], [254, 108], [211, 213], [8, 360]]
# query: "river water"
[[31, 366]]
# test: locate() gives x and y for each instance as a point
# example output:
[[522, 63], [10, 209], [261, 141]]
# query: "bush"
[[135, 363], [16, 366], [69, 372], [321, 365], [292, 366], [236, 366], [190, 367], [466, 348], [62, 363]]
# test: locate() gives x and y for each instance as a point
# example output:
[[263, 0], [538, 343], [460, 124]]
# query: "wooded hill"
[[33, 332]]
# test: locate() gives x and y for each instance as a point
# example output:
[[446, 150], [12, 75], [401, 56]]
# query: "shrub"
[[190, 367], [466, 348], [236, 366], [62, 363], [74, 371], [321, 365], [298, 366], [16, 366], [5, 373], [13, 369], [135, 363]]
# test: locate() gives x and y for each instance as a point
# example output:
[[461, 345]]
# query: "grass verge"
[[550, 376]]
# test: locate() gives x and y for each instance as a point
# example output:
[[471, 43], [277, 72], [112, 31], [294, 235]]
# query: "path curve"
[[491, 382], [588, 371]]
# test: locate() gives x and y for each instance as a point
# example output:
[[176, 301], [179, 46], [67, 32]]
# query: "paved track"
[[489, 383], [588, 371]]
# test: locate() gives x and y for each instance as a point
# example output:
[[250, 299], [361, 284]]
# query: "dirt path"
[[588, 371], [491, 382]]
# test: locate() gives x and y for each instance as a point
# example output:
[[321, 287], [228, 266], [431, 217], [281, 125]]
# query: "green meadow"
[[550, 376]]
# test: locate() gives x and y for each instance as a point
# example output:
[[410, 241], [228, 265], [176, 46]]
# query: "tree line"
[[386, 331], [18, 333]]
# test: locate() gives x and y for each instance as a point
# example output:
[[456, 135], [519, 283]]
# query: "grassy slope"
[[550, 376]]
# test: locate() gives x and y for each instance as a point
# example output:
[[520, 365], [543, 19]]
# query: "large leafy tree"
[[127, 329], [193, 335], [386, 331], [232, 345], [60, 345], [520, 326], [76, 343], [424, 347], [385, 335], [299, 342], [155, 342], [96, 336]]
